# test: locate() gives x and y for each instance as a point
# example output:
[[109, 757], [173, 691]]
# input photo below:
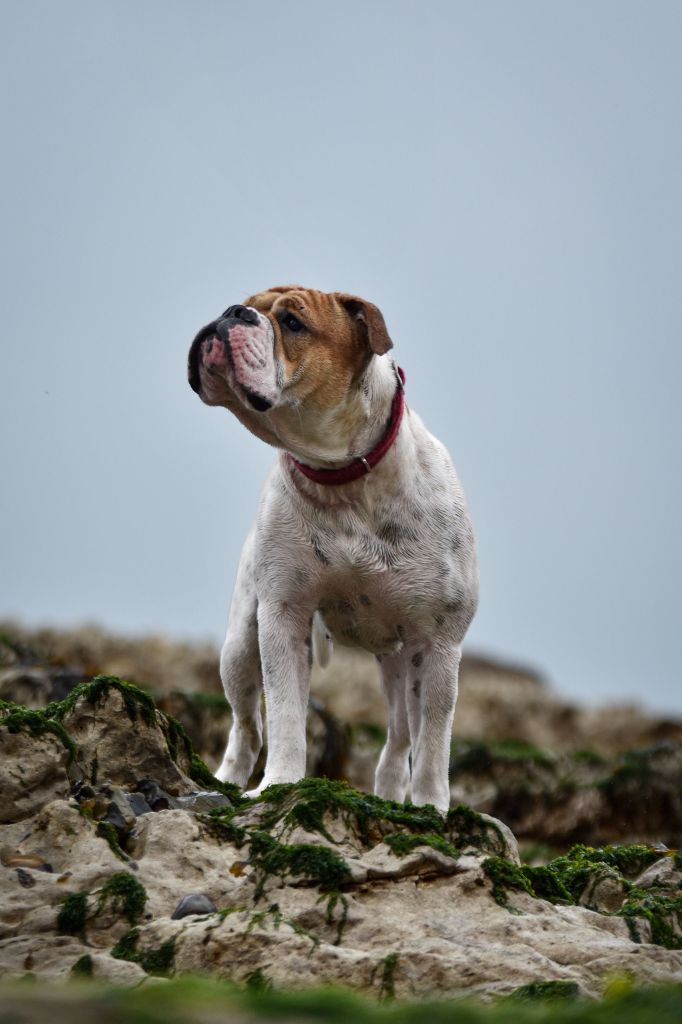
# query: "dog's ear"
[[371, 321]]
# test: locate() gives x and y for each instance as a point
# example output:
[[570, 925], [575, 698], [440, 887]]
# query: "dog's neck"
[[330, 438]]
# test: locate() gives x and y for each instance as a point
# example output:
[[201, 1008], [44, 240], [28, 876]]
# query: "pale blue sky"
[[503, 179]]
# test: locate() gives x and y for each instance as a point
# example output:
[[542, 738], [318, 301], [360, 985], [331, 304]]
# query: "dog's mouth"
[[259, 403], [211, 352]]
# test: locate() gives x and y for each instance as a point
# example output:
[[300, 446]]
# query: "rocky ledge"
[[123, 858]]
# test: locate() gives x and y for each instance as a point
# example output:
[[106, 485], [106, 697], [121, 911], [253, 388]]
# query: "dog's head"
[[288, 347]]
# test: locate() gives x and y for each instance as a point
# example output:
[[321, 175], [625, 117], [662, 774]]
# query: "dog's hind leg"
[[240, 671], [393, 771]]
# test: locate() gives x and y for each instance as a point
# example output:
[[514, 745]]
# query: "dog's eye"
[[292, 323]]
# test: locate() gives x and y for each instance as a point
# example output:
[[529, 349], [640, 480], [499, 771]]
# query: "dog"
[[362, 536]]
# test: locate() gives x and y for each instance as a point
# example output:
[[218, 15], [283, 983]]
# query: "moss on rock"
[[158, 961], [73, 914], [546, 991], [16, 718], [124, 895], [565, 880]]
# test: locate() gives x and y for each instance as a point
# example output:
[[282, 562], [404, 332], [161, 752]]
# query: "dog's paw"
[[251, 794]]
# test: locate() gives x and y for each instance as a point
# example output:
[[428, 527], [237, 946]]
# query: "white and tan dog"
[[362, 535]]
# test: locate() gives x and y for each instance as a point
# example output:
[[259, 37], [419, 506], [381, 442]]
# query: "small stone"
[[27, 860], [205, 800], [82, 791], [195, 903], [156, 797], [115, 818], [25, 879], [138, 804]]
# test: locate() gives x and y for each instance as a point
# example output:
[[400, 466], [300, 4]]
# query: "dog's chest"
[[382, 587]]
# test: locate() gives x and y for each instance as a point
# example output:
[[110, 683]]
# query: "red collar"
[[362, 465]]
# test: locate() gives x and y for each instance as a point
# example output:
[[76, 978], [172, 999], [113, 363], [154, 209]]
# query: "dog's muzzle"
[[214, 349]]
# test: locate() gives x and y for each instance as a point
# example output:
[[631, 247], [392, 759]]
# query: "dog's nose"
[[243, 313]]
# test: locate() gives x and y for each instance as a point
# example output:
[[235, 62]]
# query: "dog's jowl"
[[362, 534]]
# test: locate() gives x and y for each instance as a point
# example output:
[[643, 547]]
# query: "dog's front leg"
[[284, 639], [393, 770], [431, 697]]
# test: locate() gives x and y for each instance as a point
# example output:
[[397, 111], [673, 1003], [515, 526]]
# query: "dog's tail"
[[322, 642]]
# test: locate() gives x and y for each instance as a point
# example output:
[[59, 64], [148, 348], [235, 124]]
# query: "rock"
[[113, 726], [314, 883], [138, 804], [196, 903], [664, 872], [574, 798], [155, 796], [497, 700], [203, 801], [34, 771]]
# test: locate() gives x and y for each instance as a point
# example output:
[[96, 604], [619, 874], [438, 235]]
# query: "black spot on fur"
[[417, 659], [394, 533], [401, 632], [417, 688], [365, 600], [319, 553], [439, 620]]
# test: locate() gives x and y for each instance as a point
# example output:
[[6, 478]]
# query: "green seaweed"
[[565, 879], [106, 831], [577, 866], [504, 875], [126, 947], [136, 701], [125, 895], [546, 883], [257, 981], [73, 914], [306, 803], [660, 910], [198, 771], [546, 991], [402, 843], [83, 967], [16, 718], [157, 962], [473, 830], [335, 899], [388, 965], [317, 863]]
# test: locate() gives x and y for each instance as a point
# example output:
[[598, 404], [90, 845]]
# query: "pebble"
[[27, 860], [157, 798], [195, 903], [205, 800], [138, 804]]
